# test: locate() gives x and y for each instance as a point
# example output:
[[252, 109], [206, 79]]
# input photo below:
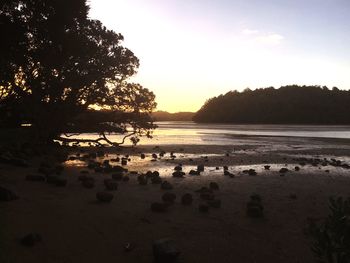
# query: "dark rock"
[[186, 199], [267, 167], [118, 176], [35, 178], [159, 207], [178, 168], [194, 172], [104, 197], [125, 178], [200, 168], [154, 156], [169, 198], [142, 179], [165, 251], [89, 183], [30, 239], [166, 185], [124, 161], [110, 184], [156, 180], [7, 195], [252, 172], [225, 168], [119, 169], [155, 174], [203, 208], [204, 190], [143, 156], [61, 181], [207, 196], [297, 168], [213, 186], [178, 174], [283, 170], [216, 203]]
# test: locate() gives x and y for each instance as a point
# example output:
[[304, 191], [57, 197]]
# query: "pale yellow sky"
[[191, 51]]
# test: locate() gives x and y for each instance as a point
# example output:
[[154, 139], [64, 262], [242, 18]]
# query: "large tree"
[[58, 67]]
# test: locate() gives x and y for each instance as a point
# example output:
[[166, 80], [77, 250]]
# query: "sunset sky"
[[191, 50]]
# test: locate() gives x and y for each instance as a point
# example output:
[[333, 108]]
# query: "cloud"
[[269, 39], [248, 31]]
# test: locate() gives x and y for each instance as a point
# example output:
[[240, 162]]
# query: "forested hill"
[[178, 116], [286, 105]]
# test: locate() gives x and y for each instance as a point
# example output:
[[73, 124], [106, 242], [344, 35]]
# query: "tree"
[[58, 65]]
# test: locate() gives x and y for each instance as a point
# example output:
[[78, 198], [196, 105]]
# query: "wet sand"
[[76, 228]]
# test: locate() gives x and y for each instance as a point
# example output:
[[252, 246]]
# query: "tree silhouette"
[[56, 65], [287, 105]]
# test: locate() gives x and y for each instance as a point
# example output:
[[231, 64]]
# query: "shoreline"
[[75, 227]]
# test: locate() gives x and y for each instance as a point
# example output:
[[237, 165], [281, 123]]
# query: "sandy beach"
[[75, 227]]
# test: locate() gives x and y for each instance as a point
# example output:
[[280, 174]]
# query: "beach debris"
[[165, 251], [267, 167], [204, 208], [110, 184], [104, 197], [255, 208], [30, 239], [7, 194], [187, 199], [169, 198], [35, 177], [194, 172], [159, 207], [165, 185], [178, 174], [213, 186]]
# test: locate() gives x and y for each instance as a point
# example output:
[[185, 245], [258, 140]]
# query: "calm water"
[[221, 134]]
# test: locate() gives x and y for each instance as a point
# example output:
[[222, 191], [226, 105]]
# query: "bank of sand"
[[76, 228]]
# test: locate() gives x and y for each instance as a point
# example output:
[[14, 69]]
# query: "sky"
[[192, 50]]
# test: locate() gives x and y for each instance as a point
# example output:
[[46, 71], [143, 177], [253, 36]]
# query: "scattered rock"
[[110, 184], [35, 178], [7, 195], [169, 198], [166, 185], [216, 203], [200, 168], [159, 207], [283, 170], [104, 197], [203, 208], [267, 167], [178, 168], [213, 186], [186, 199], [164, 251], [156, 180], [178, 174], [143, 156], [30, 239], [297, 168], [194, 172]]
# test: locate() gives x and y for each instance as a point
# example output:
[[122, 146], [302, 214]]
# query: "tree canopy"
[[57, 65], [287, 105]]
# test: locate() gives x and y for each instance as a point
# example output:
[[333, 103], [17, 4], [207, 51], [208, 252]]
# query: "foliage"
[[177, 116], [57, 64], [286, 105], [331, 240]]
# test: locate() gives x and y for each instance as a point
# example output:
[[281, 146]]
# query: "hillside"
[[286, 105], [178, 116]]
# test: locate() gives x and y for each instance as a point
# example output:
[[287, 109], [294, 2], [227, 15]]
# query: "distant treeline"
[[178, 116], [287, 105]]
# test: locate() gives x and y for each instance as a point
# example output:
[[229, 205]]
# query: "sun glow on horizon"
[[190, 52]]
